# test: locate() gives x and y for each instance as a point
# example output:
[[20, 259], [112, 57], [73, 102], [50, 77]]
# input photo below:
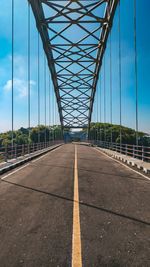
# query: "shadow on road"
[[91, 171], [81, 203]]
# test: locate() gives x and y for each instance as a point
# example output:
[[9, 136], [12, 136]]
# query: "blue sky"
[[20, 71], [128, 79]]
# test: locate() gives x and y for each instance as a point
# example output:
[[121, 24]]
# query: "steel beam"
[[74, 36]]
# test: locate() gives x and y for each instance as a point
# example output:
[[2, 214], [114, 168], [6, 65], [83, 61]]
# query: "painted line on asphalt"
[[11, 173], [46, 154], [76, 236], [122, 164], [7, 175]]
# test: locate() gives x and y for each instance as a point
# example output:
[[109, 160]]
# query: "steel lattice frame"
[[74, 35]]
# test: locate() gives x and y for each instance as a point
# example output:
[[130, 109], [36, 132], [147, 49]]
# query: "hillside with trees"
[[32, 135], [98, 131], [107, 131]]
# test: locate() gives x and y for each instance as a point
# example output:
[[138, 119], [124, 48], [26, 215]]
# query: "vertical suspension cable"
[[45, 93], [56, 117], [120, 74], [29, 75], [94, 120], [51, 103], [100, 96], [53, 111], [50, 97], [54, 107], [97, 113], [38, 88], [104, 100], [136, 71], [111, 88], [12, 77], [55, 114], [97, 104], [100, 119], [49, 106]]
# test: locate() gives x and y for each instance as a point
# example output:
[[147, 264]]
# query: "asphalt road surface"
[[74, 207]]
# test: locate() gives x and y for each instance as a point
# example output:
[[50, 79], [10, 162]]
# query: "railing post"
[[142, 153], [12, 151], [6, 155], [23, 149], [133, 151], [28, 148], [15, 150], [109, 145]]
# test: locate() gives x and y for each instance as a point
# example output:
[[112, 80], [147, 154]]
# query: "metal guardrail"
[[135, 151], [12, 152]]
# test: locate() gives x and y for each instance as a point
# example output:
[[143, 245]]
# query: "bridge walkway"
[[43, 224]]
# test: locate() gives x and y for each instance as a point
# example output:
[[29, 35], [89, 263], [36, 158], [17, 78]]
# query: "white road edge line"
[[46, 154], [122, 164], [7, 175], [11, 173]]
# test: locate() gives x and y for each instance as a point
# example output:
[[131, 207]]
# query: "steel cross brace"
[[74, 36]]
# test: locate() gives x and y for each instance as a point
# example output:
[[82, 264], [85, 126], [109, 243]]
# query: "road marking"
[[123, 164], [7, 175], [15, 171], [46, 154], [76, 236]]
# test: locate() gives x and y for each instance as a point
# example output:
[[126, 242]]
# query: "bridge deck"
[[36, 211]]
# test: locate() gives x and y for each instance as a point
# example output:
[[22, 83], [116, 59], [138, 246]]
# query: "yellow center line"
[[76, 237]]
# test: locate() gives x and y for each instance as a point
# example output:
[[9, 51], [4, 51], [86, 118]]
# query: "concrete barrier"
[[139, 164]]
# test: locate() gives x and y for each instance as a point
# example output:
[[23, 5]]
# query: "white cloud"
[[20, 87]]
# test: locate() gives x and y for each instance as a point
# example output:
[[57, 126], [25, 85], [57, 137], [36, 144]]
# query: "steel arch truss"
[[74, 35]]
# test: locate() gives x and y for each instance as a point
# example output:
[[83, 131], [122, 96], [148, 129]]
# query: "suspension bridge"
[[74, 133]]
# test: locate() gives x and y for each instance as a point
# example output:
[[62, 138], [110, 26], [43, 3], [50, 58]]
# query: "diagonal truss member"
[[74, 35]]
